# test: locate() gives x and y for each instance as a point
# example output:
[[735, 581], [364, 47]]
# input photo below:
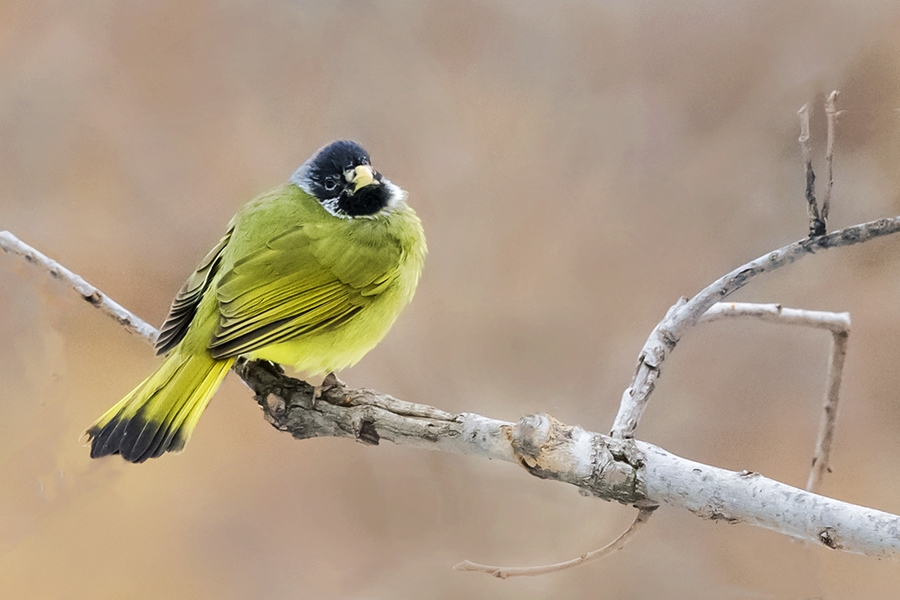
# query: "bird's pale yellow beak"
[[360, 177]]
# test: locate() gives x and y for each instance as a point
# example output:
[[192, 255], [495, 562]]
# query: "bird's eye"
[[330, 184]]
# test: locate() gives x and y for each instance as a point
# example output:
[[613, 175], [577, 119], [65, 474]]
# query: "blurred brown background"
[[578, 166]]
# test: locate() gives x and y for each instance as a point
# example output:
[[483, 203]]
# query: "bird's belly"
[[314, 356], [339, 347]]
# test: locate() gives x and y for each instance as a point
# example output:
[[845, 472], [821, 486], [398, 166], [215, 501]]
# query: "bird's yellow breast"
[[376, 261]]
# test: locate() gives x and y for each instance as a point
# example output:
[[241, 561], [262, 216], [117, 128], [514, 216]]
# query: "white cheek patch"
[[397, 196], [331, 205]]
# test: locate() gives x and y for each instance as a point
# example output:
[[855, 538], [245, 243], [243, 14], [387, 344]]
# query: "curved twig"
[[617, 544]]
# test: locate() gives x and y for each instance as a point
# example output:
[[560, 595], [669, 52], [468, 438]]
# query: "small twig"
[[776, 313], [816, 223], [504, 572], [839, 326], [822, 457], [831, 114], [13, 245]]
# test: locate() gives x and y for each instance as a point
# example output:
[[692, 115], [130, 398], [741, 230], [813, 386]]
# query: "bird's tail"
[[160, 414]]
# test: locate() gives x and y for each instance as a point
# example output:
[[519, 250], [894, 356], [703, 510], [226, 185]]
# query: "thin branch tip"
[[12, 245]]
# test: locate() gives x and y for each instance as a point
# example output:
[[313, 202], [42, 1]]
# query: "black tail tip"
[[134, 439]]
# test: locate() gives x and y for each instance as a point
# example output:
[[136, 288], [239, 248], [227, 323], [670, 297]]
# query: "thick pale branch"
[[626, 471], [686, 313], [748, 497]]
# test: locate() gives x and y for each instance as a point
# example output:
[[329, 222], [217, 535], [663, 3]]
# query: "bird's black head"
[[341, 177]]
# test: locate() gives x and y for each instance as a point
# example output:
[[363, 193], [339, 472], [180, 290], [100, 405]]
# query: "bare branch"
[[686, 313], [839, 326], [776, 313], [627, 471], [16, 247], [617, 544]]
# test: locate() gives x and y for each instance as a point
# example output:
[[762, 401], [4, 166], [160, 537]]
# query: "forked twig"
[[686, 313], [504, 572]]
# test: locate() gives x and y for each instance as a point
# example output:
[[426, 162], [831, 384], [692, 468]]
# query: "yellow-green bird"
[[311, 274]]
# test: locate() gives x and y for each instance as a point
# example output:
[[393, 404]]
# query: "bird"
[[311, 274]]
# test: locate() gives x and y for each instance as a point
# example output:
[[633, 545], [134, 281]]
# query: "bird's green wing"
[[184, 307], [311, 278]]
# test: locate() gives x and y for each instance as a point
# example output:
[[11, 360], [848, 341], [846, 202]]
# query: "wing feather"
[[302, 281], [184, 307]]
